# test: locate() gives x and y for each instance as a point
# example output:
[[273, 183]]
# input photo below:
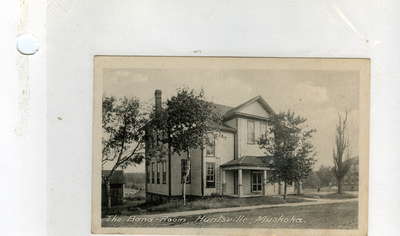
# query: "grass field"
[[134, 203], [204, 203], [325, 216], [329, 195], [328, 216]]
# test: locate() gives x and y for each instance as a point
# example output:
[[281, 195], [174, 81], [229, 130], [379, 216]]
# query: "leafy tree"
[[288, 141], [184, 123], [312, 181], [123, 135], [342, 148], [352, 176], [325, 176]]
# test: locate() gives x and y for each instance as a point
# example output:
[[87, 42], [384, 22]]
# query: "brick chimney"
[[157, 97]]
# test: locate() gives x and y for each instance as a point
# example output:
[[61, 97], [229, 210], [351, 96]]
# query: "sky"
[[316, 95]]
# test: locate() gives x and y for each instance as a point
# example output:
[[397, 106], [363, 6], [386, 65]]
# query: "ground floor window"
[[147, 173], [164, 172], [256, 181], [210, 178], [158, 172], [152, 172]]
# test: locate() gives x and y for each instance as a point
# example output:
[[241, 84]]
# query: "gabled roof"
[[236, 110], [227, 112], [253, 161], [221, 110]]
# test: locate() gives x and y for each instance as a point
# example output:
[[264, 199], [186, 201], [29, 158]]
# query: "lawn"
[[327, 216], [205, 203], [324, 216], [345, 195]]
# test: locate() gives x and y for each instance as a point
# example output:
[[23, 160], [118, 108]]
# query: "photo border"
[[362, 65]]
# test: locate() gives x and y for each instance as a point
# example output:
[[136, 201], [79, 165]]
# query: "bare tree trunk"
[[340, 185], [279, 188], [184, 191], [107, 181], [299, 186], [284, 190], [108, 193], [342, 145], [186, 177]]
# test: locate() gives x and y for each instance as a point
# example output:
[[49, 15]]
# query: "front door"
[[256, 181]]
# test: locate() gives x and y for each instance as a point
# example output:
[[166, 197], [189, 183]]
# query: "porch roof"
[[250, 161]]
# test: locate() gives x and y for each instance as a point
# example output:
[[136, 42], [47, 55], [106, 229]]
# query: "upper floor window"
[[263, 128], [251, 134], [210, 145]]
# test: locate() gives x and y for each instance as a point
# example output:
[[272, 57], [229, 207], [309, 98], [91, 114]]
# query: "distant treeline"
[[324, 177], [135, 180]]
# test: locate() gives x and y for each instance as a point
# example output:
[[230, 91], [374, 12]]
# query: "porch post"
[[240, 183], [265, 183], [223, 190]]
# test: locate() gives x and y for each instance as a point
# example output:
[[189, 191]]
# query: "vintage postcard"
[[230, 146]]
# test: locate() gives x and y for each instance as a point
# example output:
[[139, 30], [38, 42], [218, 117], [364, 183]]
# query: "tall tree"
[[288, 141], [123, 136], [342, 148], [184, 124]]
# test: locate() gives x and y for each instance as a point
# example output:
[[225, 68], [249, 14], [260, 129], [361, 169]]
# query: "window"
[[158, 172], [210, 178], [147, 173], [210, 145], [251, 135], [263, 128], [152, 172], [183, 171], [256, 181], [164, 172]]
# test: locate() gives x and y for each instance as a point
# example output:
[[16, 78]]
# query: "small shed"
[[117, 183]]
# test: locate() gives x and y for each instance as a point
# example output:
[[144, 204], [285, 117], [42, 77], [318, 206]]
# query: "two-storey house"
[[231, 163]]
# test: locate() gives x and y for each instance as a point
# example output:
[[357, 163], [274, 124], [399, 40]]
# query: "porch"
[[248, 177]]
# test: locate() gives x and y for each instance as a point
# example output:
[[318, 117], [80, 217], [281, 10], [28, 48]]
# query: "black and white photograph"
[[230, 144], [200, 118]]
